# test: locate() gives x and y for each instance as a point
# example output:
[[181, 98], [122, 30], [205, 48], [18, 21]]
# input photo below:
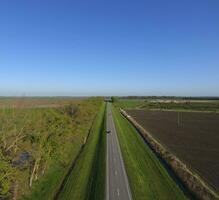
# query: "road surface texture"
[[117, 186]]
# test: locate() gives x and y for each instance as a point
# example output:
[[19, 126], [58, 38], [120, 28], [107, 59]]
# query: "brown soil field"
[[192, 137]]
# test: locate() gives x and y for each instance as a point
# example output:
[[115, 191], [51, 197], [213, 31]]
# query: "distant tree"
[[113, 99]]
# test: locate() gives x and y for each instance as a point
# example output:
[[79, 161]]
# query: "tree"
[[6, 176]]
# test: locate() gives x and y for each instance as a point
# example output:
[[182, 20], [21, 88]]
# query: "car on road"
[[108, 131]]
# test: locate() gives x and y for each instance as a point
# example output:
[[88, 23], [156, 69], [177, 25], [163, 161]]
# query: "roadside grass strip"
[[87, 179], [148, 178], [97, 179]]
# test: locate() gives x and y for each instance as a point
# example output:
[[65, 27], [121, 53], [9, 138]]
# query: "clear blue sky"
[[109, 47]]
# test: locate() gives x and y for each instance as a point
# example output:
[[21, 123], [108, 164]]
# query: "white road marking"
[[118, 191], [114, 153], [120, 155]]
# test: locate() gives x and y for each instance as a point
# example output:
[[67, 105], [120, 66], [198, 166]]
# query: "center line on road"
[[118, 191], [116, 174]]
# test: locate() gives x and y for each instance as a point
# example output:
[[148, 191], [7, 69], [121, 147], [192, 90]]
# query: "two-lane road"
[[117, 186]]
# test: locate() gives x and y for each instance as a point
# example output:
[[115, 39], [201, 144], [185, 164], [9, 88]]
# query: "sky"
[[109, 47]]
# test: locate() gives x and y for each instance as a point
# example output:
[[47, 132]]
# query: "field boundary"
[[193, 181]]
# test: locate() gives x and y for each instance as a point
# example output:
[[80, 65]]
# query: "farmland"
[[210, 106], [40, 139], [169, 104], [192, 136], [129, 103], [54, 148], [147, 176]]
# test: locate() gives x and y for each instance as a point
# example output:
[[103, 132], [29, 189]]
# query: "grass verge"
[[86, 181], [148, 179], [96, 190]]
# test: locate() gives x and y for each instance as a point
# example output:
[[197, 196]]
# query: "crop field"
[[38, 144], [192, 136], [129, 103], [210, 106], [169, 104], [148, 178]]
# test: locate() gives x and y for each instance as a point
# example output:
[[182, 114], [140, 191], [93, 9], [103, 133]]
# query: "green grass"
[[84, 182], [147, 177], [211, 105], [183, 106], [67, 132], [45, 189], [97, 178], [129, 103]]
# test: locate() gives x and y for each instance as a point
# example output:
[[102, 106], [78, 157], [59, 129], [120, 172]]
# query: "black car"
[[108, 131]]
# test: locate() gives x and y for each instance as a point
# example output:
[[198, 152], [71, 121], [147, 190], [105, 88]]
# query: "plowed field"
[[193, 137]]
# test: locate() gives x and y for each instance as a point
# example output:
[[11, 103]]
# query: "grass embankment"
[[148, 179], [87, 179]]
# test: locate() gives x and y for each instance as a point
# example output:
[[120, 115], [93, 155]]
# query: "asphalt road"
[[117, 186]]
